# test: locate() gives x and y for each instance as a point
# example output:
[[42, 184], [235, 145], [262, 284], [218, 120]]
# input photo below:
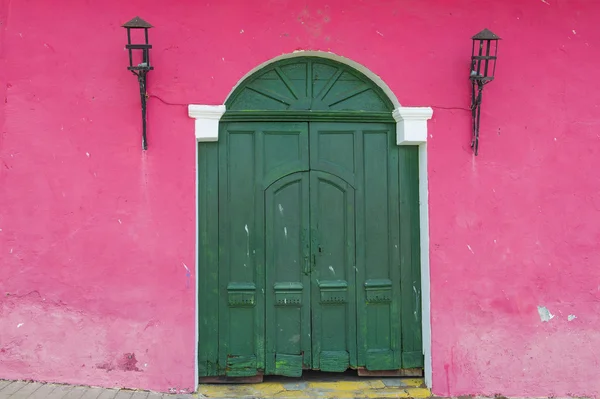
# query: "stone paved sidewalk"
[[36, 390], [350, 388]]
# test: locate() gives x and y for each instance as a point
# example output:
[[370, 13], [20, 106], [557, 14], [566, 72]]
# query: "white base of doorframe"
[[411, 129]]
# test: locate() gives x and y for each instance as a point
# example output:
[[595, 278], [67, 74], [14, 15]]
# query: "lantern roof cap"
[[486, 34], [137, 23]]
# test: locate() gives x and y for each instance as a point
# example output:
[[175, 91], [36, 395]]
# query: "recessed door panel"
[[241, 307], [287, 275], [333, 274], [378, 292]]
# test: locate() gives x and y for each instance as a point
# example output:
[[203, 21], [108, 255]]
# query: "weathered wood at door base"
[[256, 379], [363, 372]]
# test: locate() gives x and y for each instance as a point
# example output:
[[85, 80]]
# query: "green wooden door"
[[258, 166], [333, 304], [310, 275], [356, 223], [288, 327], [308, 229]]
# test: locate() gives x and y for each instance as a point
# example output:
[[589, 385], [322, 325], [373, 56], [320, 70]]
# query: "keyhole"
[[320, 249]]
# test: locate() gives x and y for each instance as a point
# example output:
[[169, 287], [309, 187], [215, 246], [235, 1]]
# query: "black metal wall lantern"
[[483, 68], [139, 64]]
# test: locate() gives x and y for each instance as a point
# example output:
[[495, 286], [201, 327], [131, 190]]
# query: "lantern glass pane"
[[494, 52], [486, 51], [138, 57], [484, 58], [479, 53], [137, 36]]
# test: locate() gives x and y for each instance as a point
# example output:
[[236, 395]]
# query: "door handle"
[[306, 250], [306, 270]]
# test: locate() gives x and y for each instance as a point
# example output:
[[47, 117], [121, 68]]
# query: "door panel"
[[241, 313], [333, 149], [285, 150], [244, 174], [333, 275], [365, 155], [379, 273], [208, 259], [287, 274], [412, 341]]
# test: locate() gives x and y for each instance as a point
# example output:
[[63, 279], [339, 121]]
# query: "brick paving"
[[36, 390]]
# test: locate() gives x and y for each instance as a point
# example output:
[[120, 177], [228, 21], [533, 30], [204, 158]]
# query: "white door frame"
[[411, 129]]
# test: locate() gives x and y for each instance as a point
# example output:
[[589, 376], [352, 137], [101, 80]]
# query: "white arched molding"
[[207, 119]]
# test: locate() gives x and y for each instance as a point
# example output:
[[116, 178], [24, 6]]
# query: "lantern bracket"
[[477, 93], [141, 75], [140, 70], [483, 69]]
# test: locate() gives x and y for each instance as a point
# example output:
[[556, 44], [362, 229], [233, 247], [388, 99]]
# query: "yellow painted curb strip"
[[375, 388]]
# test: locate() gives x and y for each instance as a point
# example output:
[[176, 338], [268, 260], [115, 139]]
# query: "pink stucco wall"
[[96, 236]]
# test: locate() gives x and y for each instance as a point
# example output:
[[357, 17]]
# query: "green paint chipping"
[[381, 359], [241, 366], [334, 361], [288, 365]]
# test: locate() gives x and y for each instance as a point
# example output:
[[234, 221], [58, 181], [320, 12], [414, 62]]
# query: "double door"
[[317, 248], [310, 274]]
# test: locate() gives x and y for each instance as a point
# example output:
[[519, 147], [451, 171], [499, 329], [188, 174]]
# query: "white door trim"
[[411, 129]]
